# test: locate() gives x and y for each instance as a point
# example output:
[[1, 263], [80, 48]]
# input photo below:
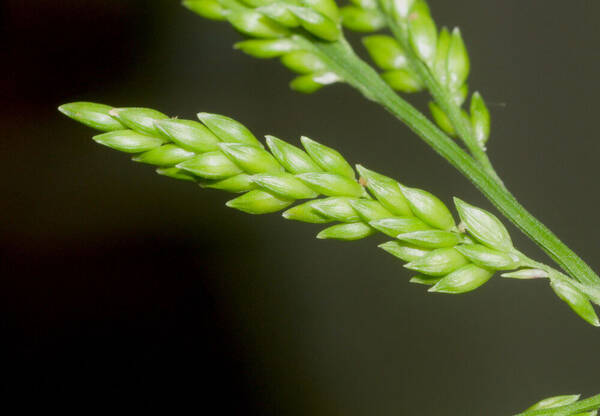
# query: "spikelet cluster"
[[221, 153], [443, 53], [279, 29]]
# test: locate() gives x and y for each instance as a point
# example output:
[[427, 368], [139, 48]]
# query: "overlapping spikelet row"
[[280, 29], [221, 153]]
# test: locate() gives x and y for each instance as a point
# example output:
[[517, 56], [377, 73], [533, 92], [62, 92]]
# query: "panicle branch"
[[221, 153]]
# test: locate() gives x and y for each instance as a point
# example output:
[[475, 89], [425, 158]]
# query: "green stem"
[[443, 99], [587, 405], [342, 59]]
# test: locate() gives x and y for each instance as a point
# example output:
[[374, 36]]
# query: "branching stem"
[[342, 59]]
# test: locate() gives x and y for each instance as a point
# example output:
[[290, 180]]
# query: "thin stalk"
[[441, 96], [587, 405], [341, 57], [593, 292]]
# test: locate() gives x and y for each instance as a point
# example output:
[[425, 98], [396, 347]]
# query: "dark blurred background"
[[119, 283]]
